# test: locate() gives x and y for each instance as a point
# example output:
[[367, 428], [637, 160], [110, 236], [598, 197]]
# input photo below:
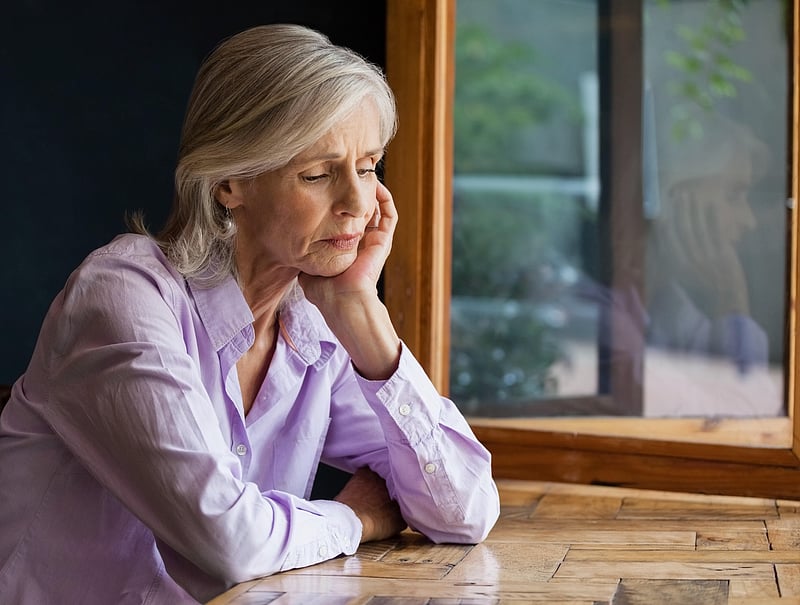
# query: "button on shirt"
[[131, 475]]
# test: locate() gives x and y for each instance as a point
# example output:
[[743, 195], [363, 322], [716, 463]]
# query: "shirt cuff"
[[342, 537], [408, 397]]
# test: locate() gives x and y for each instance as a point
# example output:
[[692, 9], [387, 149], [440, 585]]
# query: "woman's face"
[[310, 215], [725, 198]]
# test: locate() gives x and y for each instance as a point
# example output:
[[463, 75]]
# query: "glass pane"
[[553, 292]]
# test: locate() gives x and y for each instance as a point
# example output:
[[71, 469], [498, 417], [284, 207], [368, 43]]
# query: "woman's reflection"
[[698, 299], [707, 355]]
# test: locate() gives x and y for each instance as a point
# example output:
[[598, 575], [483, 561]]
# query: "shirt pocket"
[[296, 454]]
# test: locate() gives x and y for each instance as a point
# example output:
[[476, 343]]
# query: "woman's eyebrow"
[[335, 155]]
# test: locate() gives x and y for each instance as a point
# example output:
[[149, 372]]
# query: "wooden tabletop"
[[562, 544]]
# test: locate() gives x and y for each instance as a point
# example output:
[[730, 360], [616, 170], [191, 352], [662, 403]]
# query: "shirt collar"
[[225, 314], [222, 309], [305, 329]]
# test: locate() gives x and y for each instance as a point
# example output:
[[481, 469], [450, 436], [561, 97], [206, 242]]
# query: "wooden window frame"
[[621, 218], [689, 455]]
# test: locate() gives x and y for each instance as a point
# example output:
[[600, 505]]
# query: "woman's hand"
[[367, 495], [349, 301], [704, 253], [361, 278]]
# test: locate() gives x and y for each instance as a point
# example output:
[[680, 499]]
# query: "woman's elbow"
[[231, 573], [233, 561], [474, 522], [480, 519]]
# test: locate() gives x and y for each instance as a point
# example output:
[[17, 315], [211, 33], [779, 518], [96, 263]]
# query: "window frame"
[[687, 455]]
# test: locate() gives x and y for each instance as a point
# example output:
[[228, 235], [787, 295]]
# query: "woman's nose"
[[356, 196]]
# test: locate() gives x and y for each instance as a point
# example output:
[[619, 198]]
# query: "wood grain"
[[561, 543]]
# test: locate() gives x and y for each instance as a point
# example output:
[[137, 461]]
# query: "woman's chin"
[[335, 267]]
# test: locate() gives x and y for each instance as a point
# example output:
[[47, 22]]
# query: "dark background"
[[92, 97]]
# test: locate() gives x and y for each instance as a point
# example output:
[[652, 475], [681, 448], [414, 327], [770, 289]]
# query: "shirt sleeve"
[[742, 341], [127, 400], [422, 446]]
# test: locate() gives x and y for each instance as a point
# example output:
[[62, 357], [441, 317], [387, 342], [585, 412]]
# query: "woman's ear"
[[229, 193]]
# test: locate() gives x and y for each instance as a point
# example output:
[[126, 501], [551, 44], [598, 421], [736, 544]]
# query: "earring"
[[228, 222]]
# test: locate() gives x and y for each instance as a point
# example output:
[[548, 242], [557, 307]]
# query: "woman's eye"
[[365, 171], [313, 178]]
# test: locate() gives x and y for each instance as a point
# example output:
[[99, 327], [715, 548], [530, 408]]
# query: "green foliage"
[[503, 357], [499, 240], [498, 98], [501, 347], [706, 73], [502, 344]]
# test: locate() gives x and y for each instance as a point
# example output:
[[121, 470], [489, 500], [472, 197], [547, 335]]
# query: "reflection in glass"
[[701, 323], [703, 327]]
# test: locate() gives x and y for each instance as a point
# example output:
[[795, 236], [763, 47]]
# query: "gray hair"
[[260, 98]]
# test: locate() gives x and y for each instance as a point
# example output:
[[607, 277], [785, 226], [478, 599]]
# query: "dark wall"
[[91, 104]]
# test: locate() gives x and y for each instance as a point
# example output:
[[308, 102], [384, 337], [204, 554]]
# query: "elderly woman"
[[699, 296], [163, 441]]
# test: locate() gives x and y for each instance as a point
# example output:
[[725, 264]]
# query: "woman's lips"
[[344, 242]]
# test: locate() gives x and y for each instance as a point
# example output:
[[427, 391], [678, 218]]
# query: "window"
[[584, 346], [619, 208]]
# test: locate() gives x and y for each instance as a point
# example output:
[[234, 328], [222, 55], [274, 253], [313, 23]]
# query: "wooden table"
[[562, 544]]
